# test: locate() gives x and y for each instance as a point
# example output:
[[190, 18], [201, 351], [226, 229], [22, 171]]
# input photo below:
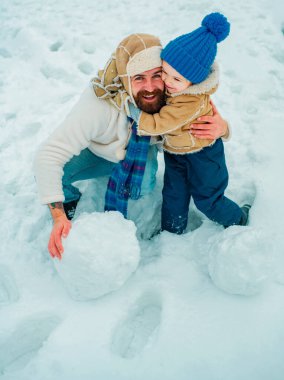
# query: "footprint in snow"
[[135, 332], [86, 68], [25, 341], [56, 46], [57, 73], [8, 288], [5, 53]]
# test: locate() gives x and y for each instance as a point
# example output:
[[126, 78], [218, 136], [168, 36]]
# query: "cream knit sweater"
[[93, 124]]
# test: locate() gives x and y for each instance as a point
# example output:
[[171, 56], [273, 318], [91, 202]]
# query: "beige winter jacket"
[[182, 110]]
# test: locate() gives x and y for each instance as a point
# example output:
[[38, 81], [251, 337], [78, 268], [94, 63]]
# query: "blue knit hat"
[[193, 54]]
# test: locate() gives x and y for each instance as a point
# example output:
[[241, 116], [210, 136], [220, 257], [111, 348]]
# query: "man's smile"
[[149, 98]]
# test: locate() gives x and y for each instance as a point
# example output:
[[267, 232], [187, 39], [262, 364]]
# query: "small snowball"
[[239, 261], [100, 254]]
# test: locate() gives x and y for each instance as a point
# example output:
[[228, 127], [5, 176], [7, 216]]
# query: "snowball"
[[239, 260], [100, 254]]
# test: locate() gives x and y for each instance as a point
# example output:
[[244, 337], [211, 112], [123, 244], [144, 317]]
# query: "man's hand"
[[61, 228], [214, 126]]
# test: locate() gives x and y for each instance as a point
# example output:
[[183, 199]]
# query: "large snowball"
[[239, 260], [100, 254]]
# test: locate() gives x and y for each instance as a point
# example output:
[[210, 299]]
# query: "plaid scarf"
[[126, 177]]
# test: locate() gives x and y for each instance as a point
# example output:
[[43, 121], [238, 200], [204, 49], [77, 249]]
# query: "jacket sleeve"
[[228, 135], [171, 117], [86, 121]]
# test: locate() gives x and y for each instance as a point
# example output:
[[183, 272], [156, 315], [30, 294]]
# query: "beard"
[[153, 107]]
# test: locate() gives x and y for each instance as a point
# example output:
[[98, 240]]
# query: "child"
[[193, 167]]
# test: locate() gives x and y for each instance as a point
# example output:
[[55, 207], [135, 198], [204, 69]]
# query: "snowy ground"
[[207, 305]]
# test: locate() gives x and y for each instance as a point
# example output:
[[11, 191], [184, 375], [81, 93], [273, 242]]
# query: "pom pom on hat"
[[218, 25], [193, 54]]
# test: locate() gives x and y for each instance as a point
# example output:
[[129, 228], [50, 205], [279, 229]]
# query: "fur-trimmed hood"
[[134, 55]]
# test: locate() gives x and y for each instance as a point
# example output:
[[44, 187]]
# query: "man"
[[93, 137]]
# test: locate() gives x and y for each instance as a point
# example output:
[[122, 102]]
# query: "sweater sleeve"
[[74, 134]]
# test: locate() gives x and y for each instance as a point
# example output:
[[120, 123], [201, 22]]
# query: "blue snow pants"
[[202, 176]]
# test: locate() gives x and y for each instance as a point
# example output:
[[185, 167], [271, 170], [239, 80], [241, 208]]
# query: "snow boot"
[[245, 215], [70, 208]]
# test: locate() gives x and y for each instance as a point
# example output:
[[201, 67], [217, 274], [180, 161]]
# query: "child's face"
[[174, 81]]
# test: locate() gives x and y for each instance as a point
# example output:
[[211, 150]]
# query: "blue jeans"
[[87, 165], [202, 176]]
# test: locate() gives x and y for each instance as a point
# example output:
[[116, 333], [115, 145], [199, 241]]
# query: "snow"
[[206, 305]]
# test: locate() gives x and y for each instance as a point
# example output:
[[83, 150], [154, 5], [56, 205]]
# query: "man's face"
[[148, 90]]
